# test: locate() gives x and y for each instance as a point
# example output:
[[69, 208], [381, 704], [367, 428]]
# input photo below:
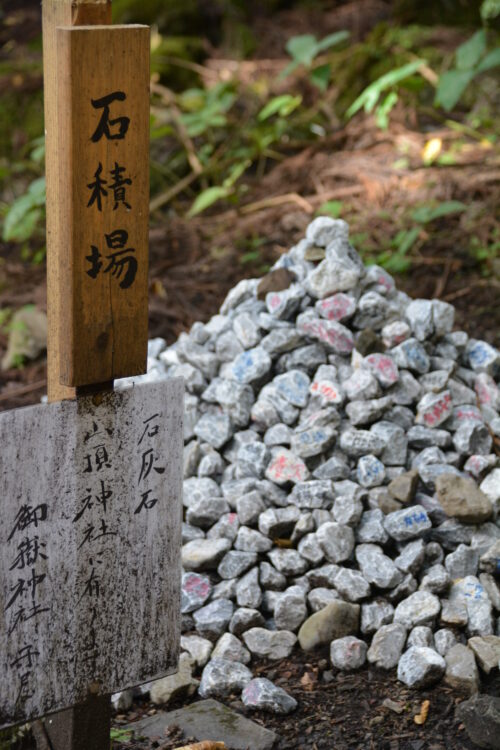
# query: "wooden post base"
[[84, 727]]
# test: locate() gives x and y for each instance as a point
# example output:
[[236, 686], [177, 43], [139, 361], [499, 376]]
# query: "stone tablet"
[[90, 494]]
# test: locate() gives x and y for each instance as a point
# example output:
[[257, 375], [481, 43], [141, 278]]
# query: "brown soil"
[[340, 711]]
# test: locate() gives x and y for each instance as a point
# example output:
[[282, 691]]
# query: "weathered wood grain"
[[90, 499], [103, 143], [58, 13]]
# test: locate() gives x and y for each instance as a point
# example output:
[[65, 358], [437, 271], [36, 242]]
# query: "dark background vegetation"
[[265, 114]]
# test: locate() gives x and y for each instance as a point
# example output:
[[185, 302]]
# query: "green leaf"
[[490, 9], [451, 86], [236, 173], [331, 40], [370, 96], [491, 60], [37, 191], [405, 239], [282, 105], [320, 76], [383, 110], [303, 49], [425, 214], [207, 198], [20, 227], [330, 208], [470, 52]]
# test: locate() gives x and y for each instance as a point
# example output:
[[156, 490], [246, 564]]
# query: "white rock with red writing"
[[338, 307], [285, 467], [434, 409], [383, 367]]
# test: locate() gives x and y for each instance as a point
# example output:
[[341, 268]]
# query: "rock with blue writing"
[[470, 592], [421, 667], [213, 619], [251, 365], [294, 387], [263, 695], [195, 590], [482, 357], [411, 355], [407, 523], [376, 567], [370, 472], [221, 677], [312, 442]]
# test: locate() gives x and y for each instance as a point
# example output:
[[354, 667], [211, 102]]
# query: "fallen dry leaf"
[[421, 718]]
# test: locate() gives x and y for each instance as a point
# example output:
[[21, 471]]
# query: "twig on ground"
[[29, 388]]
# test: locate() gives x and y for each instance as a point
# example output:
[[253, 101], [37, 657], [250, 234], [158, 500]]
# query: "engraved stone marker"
[[90, 498]]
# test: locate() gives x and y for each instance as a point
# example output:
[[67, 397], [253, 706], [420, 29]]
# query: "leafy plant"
[[369, 98], [119, 735], [304, 49], [427, 213], [330, 208], [471, 59], [24, 214]]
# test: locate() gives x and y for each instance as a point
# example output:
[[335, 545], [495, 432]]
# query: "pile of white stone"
[[341, 483]]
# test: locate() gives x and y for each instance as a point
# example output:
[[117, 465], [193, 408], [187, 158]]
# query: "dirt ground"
[[339, 711]]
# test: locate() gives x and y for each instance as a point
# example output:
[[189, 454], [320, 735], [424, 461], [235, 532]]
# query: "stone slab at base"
[[207, 720]]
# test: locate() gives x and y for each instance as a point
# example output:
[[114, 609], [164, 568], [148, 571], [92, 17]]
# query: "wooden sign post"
[[91, 487]]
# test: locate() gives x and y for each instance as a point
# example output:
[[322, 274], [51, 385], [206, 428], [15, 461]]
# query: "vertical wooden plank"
[[58, 13], [68, 725], [103, 90]]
